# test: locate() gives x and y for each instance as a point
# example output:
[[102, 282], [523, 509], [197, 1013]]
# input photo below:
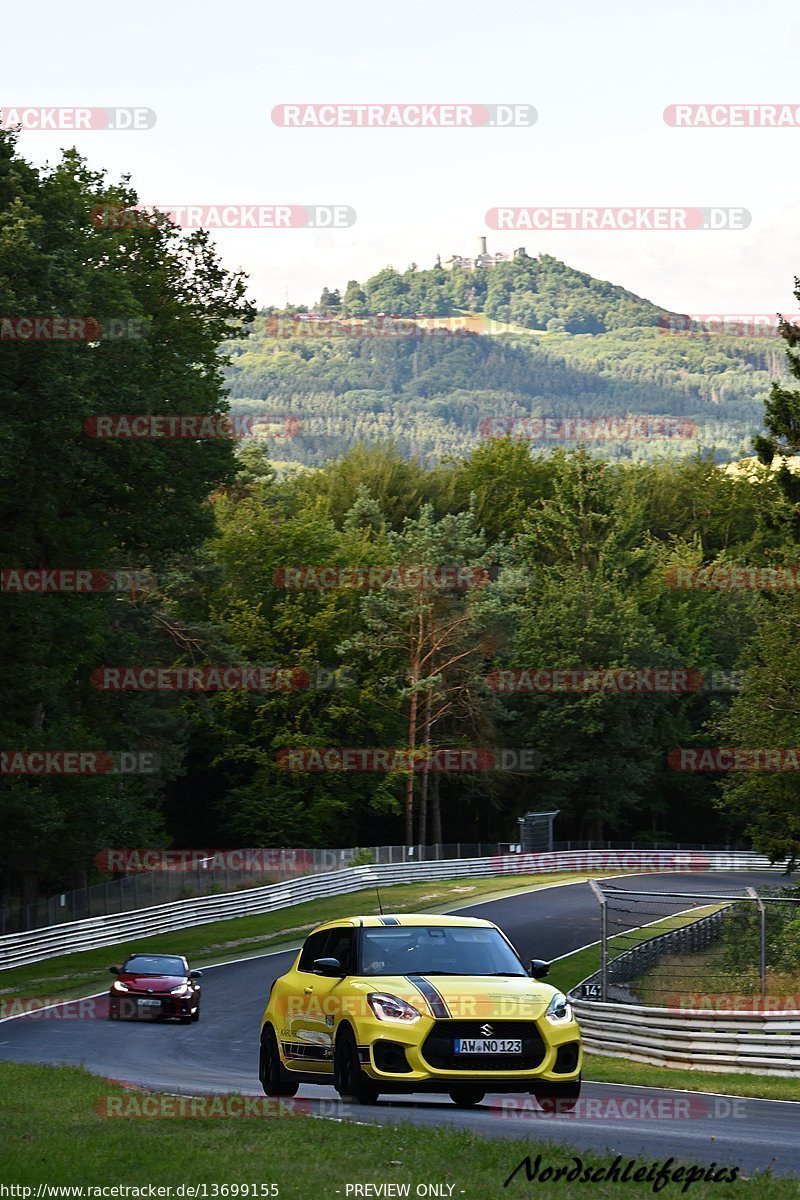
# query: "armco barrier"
[[36, 945], [735, 1042]]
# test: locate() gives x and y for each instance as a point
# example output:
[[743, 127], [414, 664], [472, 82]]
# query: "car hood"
[[467, 997], [152, 983]]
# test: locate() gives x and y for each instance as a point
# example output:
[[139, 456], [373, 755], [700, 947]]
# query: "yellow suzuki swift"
[[418, 1004]]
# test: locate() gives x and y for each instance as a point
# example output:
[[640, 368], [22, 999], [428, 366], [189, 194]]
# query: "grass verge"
[[54, 1133]]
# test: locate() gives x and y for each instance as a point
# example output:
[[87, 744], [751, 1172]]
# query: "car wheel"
[[185, 1020], [558, 1097], [273, 1075], [196, 1014], [466, 1097], [348, 1078]]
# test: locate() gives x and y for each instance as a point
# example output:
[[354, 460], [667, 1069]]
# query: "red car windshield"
[[154, 964]]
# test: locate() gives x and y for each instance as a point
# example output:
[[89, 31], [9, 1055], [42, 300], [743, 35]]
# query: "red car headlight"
[[392, 1008]]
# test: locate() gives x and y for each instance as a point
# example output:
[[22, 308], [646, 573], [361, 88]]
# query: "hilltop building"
[[483, 258]]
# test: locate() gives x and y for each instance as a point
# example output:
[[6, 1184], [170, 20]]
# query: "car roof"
[[409, 919], [154, 954]]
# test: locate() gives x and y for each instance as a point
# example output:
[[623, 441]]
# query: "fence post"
[[762, 939], [603, 938]]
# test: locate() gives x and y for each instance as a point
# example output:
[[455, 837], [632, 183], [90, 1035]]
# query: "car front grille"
[[438, 1047]]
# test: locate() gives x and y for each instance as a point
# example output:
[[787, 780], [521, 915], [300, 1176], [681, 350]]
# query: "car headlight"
[[182, 989], [391, 1008], [559, 1010], [119, 987]]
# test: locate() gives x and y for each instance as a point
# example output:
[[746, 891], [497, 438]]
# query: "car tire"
[[185, 1020], [560, 1097], [348, 1078], [196, 1014], [274, 1077], [466, 1097]]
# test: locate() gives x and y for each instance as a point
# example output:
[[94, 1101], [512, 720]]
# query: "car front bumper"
[[392, 1054], [131, 1006]]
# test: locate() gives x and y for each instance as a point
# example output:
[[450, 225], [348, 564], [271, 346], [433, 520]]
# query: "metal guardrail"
[[210, 871], [736, 1042], [36, 945]]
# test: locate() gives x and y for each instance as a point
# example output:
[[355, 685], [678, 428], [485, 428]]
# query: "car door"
[[324, 998], [293, 1031]]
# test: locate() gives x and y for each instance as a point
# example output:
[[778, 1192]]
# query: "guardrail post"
[[762, 939], [603, 938]]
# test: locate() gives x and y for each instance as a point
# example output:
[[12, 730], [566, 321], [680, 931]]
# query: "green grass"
[[71, 975], [53, 1133], [707, 974], [567, 972], [602, 1069]]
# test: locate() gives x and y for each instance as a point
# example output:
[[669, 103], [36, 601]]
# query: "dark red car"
[[152, 986]]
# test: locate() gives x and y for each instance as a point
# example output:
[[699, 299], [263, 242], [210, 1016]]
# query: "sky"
[[599, 77]]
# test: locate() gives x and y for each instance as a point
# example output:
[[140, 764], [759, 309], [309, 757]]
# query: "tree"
[[766, 716], [782, 419], [72, 500], [431, 641]]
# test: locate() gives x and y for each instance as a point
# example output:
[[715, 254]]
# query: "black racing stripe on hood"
[[435, 999]]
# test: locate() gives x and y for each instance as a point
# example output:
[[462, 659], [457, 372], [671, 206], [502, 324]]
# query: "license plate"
[[149, 1003], [488, 1045]]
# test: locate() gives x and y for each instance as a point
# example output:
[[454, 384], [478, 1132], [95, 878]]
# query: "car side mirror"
[[328, 966], [114, 970], [195, 974], [539, 968]]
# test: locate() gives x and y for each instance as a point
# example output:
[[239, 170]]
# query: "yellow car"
[[418, 1004]]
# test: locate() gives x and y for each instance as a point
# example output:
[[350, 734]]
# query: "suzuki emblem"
[[487, 1030]]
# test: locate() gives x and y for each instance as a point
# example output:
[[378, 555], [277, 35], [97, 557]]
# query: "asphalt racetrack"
[[219, 1054]]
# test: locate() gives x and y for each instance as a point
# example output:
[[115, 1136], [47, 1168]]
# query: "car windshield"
[[437, 950], [155, 964]]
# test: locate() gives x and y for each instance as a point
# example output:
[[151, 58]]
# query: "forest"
[[556, 343], [280, 596]]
